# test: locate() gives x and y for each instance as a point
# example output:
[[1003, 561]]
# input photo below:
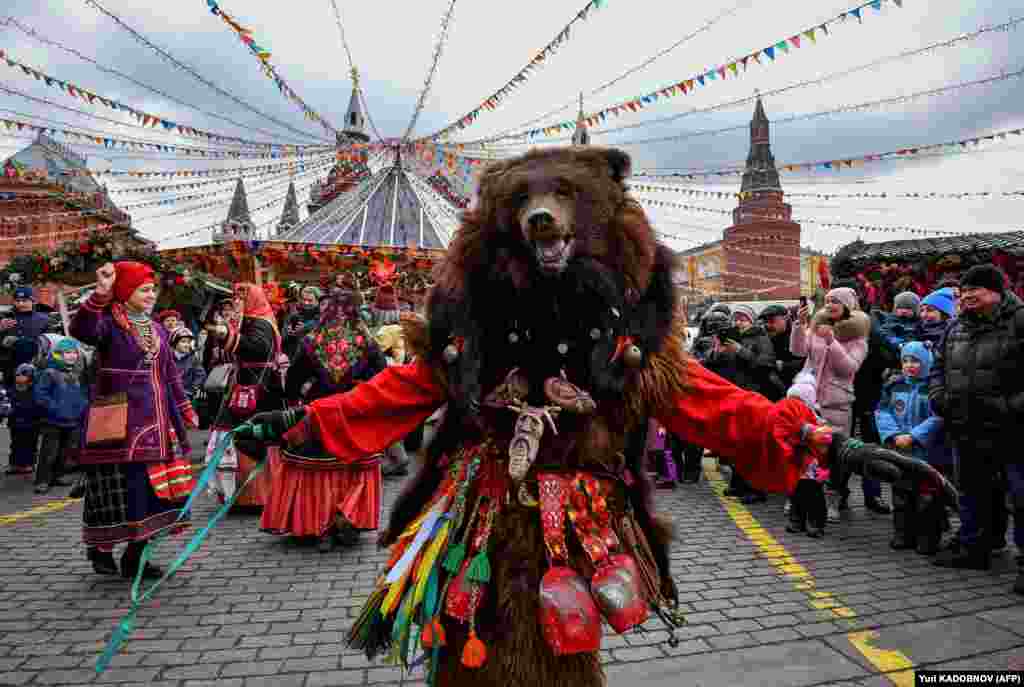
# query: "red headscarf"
[[255, 306], [130, 276]]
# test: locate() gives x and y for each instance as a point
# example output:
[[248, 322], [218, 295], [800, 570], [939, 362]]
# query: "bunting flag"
[[291, 169], [949, 147], [144, 119], [908, 195], [263, 55], [492, 101], [222, 203], [823, 223], [108, 142], [204, 172], [688, 85]]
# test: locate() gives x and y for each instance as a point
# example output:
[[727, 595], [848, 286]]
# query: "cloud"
[[489, 42]]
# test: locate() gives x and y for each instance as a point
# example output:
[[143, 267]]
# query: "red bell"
[[616, 588], [569, 619]]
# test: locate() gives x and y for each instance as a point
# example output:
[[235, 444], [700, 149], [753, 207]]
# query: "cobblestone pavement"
[[764, 607]]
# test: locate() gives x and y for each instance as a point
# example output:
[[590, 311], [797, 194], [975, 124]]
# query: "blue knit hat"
[[25, 370], [63, 346], [24, 293], [919, 352], [942, 300]]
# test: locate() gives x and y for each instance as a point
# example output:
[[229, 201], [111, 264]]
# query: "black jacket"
[[752, 366], [790, 364], [977, 379], [870, 378]]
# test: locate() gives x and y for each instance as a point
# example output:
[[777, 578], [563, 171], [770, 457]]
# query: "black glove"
[[271, 426]]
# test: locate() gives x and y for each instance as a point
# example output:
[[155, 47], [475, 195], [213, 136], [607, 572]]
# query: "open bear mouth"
[[552, 254]]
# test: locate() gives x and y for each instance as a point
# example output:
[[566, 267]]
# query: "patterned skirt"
[[121, 506]]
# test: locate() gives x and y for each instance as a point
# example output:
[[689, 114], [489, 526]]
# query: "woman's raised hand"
[[805, 314], [105, 277]]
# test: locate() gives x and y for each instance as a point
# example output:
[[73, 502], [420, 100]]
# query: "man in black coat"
[[977, 386], [20, 331], [776, 322]]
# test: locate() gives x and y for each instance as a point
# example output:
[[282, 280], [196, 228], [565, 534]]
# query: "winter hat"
[[59, 350], [317, 293], [805, 387], [919, 352], [24, 293], [130, 276], [908, 300], [984, 277], [846, 296], [164, 314], [386, 298], [181, 333], [942, 300], [25, 370], [774, 310], [744, 310], [722, 308]]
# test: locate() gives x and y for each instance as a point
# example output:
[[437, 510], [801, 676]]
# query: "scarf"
[[341, 349], [255, 306]]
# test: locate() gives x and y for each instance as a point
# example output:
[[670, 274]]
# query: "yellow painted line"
[[898, 668], [50, 507]]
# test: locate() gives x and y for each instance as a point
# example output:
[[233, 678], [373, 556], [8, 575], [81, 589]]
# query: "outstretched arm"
[[760, 437], [374, 415]]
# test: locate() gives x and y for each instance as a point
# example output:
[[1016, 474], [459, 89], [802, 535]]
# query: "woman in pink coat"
[[835, 343]]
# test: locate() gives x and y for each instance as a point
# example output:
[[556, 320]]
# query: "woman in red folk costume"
[[551, 336], [250, 337], [134, 453], [312, 493]]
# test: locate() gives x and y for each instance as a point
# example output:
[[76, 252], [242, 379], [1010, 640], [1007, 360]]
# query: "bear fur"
[[616, 282]]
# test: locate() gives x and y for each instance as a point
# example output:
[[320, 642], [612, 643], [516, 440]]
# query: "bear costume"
[[550, 333]]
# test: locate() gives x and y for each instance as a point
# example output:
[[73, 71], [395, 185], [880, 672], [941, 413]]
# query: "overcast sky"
[[489, 42]]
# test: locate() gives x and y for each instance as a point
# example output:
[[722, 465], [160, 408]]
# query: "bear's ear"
[[619, 164], [488, 177]]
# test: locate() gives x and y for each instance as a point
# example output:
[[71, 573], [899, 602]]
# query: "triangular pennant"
[[810, 35]]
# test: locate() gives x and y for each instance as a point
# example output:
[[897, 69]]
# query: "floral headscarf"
[[257, 307], [341, 343]]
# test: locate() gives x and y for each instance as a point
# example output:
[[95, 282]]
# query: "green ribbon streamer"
[[125, 628]]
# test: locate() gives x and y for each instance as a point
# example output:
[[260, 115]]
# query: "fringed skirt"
[[307, 494], [121, 506]]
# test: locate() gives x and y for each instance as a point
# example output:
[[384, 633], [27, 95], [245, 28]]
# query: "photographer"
[[744, 355]]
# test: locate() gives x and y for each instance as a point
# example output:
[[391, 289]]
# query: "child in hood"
[[23, 421], [900, 326], [192, 373], [807, 507], [906, 424], [63, 401]]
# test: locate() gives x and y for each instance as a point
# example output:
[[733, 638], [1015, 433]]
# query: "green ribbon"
[[125, 628]]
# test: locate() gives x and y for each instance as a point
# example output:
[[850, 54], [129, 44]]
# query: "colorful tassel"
[[433, 634], [480, 569], [474, 654], [456, 554]]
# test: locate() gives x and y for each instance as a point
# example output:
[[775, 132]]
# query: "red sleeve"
[[758, 436], [374, 415]]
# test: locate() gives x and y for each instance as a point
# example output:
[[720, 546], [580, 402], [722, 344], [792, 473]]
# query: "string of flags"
[[263, 55], [203, 172], [111, 142], [908, 195], [724, 71], [208, 227], [143, 118], [221, 203], [53, 235], [174, 188], [493, 100], [851, 162], [823, 223]]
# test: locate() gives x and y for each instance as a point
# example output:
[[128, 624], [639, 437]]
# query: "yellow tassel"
[[427, 564], [432, 635], [391, 599], [474, 654]]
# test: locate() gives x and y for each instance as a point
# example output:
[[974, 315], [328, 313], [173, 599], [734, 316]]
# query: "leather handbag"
[[107, 422], [220, 379]]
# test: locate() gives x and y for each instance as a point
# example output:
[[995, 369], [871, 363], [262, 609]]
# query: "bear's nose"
[[540, 217]]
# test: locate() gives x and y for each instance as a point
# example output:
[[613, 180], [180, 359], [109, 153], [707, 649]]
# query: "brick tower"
[[763, 242]]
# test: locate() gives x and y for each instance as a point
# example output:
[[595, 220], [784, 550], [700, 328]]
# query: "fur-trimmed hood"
[[856, 326]]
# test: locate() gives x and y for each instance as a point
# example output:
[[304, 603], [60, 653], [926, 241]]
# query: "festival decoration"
[[109, 142], [492, 101], [955, 41], [203, 172], [901, 195], [145, 119], [436, 60], [263, 55], [847, 163], [689, 85]]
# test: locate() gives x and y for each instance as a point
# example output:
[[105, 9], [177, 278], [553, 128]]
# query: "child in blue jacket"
[[906, 423], [24, 421], [64, 402]]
